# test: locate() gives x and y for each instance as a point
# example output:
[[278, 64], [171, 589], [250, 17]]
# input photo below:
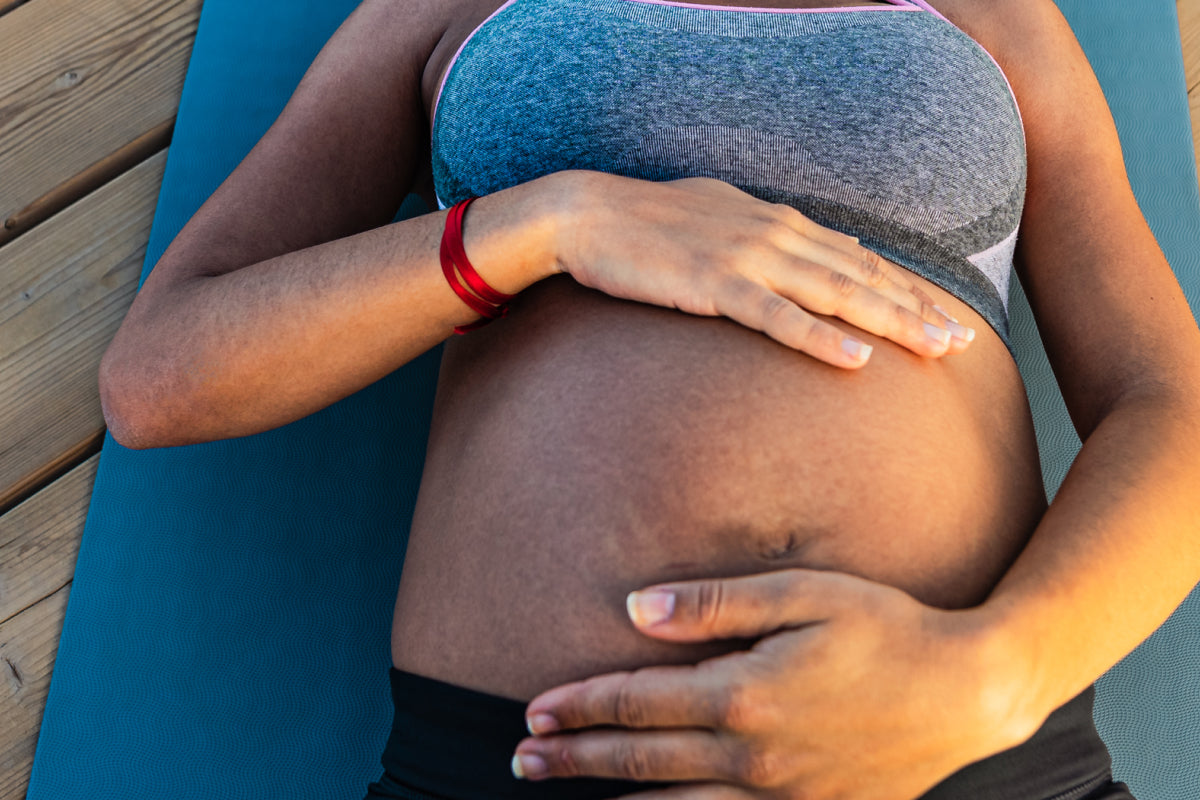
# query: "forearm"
[[1115, 554], [257, 347]]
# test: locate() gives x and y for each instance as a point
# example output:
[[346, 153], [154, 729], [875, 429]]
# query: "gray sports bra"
[[884, 122]]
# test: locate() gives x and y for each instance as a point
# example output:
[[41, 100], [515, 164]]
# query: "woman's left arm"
[[847, 667], [1119, 548]]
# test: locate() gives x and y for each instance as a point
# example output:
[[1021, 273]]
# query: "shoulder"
[[1063, 107], [1024, 36]]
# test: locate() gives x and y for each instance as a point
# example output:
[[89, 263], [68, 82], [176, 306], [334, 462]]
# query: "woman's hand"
[[856, 691], [706, 247]]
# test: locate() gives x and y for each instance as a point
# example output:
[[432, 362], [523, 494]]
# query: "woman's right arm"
[[289, 289], [283, 294]]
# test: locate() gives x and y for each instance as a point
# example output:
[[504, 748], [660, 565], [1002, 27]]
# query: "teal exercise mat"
[[227, 634], [227, 631]]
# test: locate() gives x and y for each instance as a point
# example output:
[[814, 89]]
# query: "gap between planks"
[[66, 286], [39, 543], [88, 88]]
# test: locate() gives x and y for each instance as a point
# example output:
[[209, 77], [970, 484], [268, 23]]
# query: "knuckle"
[[738, 709], [793, 217], [874, 268], [707, 603], [760, 768], [628, 709], [632, 762], [775, 307], [876, 278], [843, 285], [776, 230], [927, 312], [903, 318]]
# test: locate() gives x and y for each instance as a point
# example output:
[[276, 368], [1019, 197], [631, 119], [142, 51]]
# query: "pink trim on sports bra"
[[901, 5], [450, 66], [896, 5], [929, 8]]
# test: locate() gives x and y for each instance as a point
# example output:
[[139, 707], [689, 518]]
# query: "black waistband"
[[454, 743]]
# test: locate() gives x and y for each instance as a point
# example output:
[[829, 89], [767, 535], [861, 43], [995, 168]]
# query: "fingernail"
[[541, 723], [856, 349], [649, 608], [961, 331], [938, 335], [944, 313], [528, 766]]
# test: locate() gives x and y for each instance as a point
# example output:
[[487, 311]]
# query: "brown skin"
[[259, 313]]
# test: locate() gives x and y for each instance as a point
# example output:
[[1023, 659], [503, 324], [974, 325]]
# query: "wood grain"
[[28, 644], [81, 80], [1189, 32], [64, 288], [39, 542]]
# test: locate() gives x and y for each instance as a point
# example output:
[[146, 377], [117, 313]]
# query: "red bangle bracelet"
[[476, 305], [459, 254], [454, 255]]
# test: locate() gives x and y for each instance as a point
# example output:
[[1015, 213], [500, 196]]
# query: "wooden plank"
[[81, 80], [64, 288], [87, 181], [1194, 103], [28, 644], [1189, 32], [39, 542]]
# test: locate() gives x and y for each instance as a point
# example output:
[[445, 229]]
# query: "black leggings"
[[452, 743]]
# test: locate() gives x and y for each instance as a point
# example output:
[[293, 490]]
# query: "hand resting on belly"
[[586, 446]]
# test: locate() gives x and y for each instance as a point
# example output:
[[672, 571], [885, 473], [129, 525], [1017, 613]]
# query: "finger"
[[861, 288], [963, 335], [870, 269], [688, 695], [811, 229], [743, 607], [673, 755], [823, 290], [763, 310], [865, 264], [873, 270]]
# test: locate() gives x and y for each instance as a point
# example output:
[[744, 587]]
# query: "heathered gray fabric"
[[891, 125]]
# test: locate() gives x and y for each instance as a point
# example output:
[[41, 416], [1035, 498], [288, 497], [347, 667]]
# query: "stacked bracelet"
[[490, 303]]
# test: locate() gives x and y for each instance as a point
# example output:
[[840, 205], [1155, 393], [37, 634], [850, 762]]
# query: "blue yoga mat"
[[227, 631]]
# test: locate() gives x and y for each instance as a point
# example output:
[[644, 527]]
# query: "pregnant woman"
[[756, 358]]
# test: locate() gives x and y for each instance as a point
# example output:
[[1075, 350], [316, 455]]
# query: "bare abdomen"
[[586, 446]]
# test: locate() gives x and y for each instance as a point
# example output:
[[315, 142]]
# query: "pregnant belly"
[[587, 446]]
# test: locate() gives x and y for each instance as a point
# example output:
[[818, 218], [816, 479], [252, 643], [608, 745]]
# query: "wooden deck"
[[88, 94]]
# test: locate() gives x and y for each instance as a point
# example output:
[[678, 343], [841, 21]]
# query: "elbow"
[[127, 401]]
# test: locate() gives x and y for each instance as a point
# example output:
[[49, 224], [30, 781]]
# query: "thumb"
[[742, 607]]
